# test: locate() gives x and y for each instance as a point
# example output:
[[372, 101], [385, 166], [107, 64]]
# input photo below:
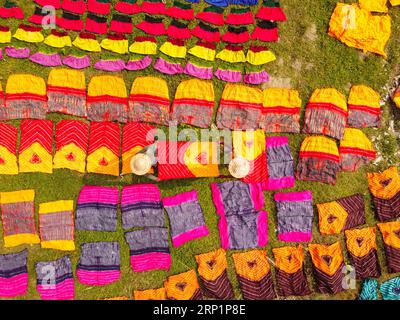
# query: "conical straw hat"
[[141, 164], [239, 168]]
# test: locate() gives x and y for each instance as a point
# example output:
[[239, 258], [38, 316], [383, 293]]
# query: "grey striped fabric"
[[107, 111], [13, 262], [57, 226], [280, 162], [148, 240], [23, 109], [148, 112], [62, 270], [236, 197], [97, 254], [18, 218], [242, 231], [294, 216]]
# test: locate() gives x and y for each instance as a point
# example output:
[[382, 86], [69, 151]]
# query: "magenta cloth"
[[294, 196], [18, 53], [168, 68], [77, 62], [141, 64], [229, 75], [14, 286], [93, 194], [1, 54], [151, 261], [110, 65], [256, 77], [62, 291], [97, 278], [48, 60], [198, 72]]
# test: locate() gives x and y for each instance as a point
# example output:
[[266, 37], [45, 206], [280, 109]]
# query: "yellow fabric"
[[107, 85], [395, 2], [5, 36], [332, 217], [58, 42], [358, 28], [364, 96], [56, 206], [396, 98], [390, 233], [319, 144], [151, 86], [17, 196], [61, 161], [145, 47], [231, 56], [203, 53], [281, 97], [374, 5], [20, 239], [334, 251], [173, 50], [248, 144], [355, 138], [127, 158], [242, 93], [289, 259], [117, 46], [212, 264], [195, 89], [329, 95], [260, 58], [103, 155], [378, 186], [360, 242], [9, 165], [69, 78], [90, 45], [26, 83], [46, 160], [152, 294], [252, 265], [198, 169], [182, 286], [62, 245], [28, 36]]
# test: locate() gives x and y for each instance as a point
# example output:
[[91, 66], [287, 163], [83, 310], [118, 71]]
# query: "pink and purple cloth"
[[46, 59], [167, 67], [199, 72], [75, 62], [13, 274], [233, 76], [17, 53], [111, 65], [143, 63]]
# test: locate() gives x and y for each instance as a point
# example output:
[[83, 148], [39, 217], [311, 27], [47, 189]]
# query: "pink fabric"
[[256, 77], [295, 236], [110, 65], [61, 291], [97, 278], [77, 62], [48, 60], [294, 196], [199, 72], [139, 64], [18, 53], [257, 195], [14, 286], [232, 76], [109, 195], [277, 141], [180, 198], [139, 193], [190, 235], [262, 228], [151, 261], [217, 199], [279, 183], [223, 232], [167, 67]]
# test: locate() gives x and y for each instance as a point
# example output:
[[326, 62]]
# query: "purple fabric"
[[229, 75], [48, 60], [198, 72], [110, 65], [167, 67], [1, 54], [139, 64], [18, 53], [77, 62], [256, 77]]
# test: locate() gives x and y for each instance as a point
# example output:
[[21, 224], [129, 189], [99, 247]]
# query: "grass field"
[[307, 59]]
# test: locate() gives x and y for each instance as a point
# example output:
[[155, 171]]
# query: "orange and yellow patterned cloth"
[[183, 286]]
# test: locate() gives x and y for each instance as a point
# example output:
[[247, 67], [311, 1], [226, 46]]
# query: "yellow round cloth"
[[319, 144], [355, 138], [150, 86], [144, 47], [374, 5], [90, 45], [203, 53], [361, 95], [117, 46], [260, 58], [173, 50], [26, 83], [231, 56], [281, 97], [58, 42], [5, 36], [107, 86], [329, 95], [28, 36]]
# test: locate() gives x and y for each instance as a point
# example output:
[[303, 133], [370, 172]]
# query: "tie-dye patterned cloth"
[[13, 274]]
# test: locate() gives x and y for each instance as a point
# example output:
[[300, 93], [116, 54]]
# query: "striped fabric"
[[390, 289], [56, 224], [212, 268], [149, 249], [295, 216], [97, 209], [385, 189], [362, 249], [328, 266], [150, 294], [291, 279], [318, 160], [104, 144], [369, 290], [36, 146], [326, 113], [13, 274], [66, 91], [194, 103], [8, 149], [18, 217], [55, 280], [25, 98], [141, 206], [72, 140], [391, 241], [364, 107], [342, 214], [107, 99], [183, 286], [99, 263], [149, 100], [240, 107], [254, 275]]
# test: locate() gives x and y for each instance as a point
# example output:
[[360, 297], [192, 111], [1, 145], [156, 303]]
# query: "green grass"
[[307, 59]]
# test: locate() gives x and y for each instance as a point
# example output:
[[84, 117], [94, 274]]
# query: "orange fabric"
[[152, 294], [212, 264], [360, 242], [326, 258], [384, 185], [252, 265], [289, 259], [332, 217], [182, 286], [391, 233]]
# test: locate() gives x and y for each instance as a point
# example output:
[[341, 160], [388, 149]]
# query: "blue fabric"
[[369, 290], [193, 1], [243, 2], [218, 3], [390, 289]]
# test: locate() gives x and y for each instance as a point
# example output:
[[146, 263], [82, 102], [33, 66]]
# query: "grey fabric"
[[107, 111], [100, 253], [140, 240], [361, 119], [198, 116], [242, 230], [280, 162], [12, 261], [134, 216], [62, 269], [148, 112], [236, 197], [238, 118], [96, 218], [294, 216]]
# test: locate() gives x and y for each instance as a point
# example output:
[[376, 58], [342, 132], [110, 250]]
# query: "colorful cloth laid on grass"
[[13, 274], [87, 42], [178, 30], [236, 35], [153, 7], [239, 16], [36, 146], [77, 62], [212, 268], [356, 150], [99, 263], [206, 32], [168, 67], [117, 43], [102, 7], [254, 275], [194, 103], [8, 149], [18, 217], [391, 241], [74, 6], [152, 26], [46, 59], [183, 286], [121, 24], [385, 190], [54, 3], [39, 16], [56, 225], [364, 107], [144, 45], [203, 50], [136, 63], [369, 290], [55, 280], [149, 249], [326, 113], [58, 39], [96, 209], [5, 34], [17, 53], [96, 24], [212, 14], [295, 216], [342, 214], [70, 21], [29, 34], [265, 31], [111, 65], [186, 218], [10, 9], [259, 55], [150, 294], [362, 250], [128, 7], [231, 74], [318, 160], [374, 5], [181, 10], [199, 70], [271, 10], [390, 289], [174, 48], [396, 97], [255, 76], [291, 279], [232, 54]]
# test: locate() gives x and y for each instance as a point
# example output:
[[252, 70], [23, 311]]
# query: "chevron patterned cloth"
[[364, 107], [390, 289], [183, 286], [36, 146], [150, 294], [13, 274], [72, 140], [8, 149], [391, 241], [369, 290]]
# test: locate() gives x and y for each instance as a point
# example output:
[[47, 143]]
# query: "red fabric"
[[54, 3], [240, 19], [157, 29], [78, 7], [266, 35], [258, 170], [72, 131], [14, 12], [40, 131], [136, 134], [104, 134], [236, 38], [8, 137], [178, 33], [98, 7], [211, 17], [153, 8], [272, 14], [75, 25], [36, 19], [93, 26], [205, 35], [122, 27], [127, 8], [179, 13]]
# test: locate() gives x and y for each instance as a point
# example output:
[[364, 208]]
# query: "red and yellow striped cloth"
[[8, 149], [364, 107]]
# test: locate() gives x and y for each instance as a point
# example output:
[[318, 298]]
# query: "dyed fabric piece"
[[362, 249], [54, 3], [181, 10], [5, 34], [58, 39], [259, 55], [66, 92], [18, 217], [266, 31], [212, 14], [87, 42], [364, 107], [174, 48], [36, 146], [74, 6], [254, 275], [113, 65], [128, 7], [29, 34], [135, 64], [99, 6], [167, 67], [203, 50], [149, 249], [236, 35], [233, 76], [200, 72], [96, 24], [144, 45], [183, 286], [117, 43], [77, 62], [97, 209], [17, 53], [232, 54], [219, 3], [326, 113], [149, 100], [8, 149], [141, 206], [385, 191], [391, 240], [99, 263], [356, 150], [318, 160], [47, 60], [152, 26], [342, 214], [151, 294], [11, 10], [212, 268], [70, 21], [25, 98], [256, 77], [13, 274], [396, 97], [194, 103], [240, 16], [369, 290], [240, 107], [56, 224], [39, 17], [206, 32], [291, 279], [328, 266], [60, 284], [271, 10], [153, 7], [178, 30], [186, 218], [390, 289]]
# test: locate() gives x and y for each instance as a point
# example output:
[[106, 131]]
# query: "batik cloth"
[[8, 149], [374, 5], [369, 290], [183, 286], [152, 25], [271, 10], [11, 10], [212, 14], [174, 48], [74, 6], [364, 107], [181, 10], [266, 31], [240, 16], [150, 294], [5, 34], [390, 289], [96, 24], [102, 7], [121, 24], [69, 20], [391, 241], [13, 274]]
